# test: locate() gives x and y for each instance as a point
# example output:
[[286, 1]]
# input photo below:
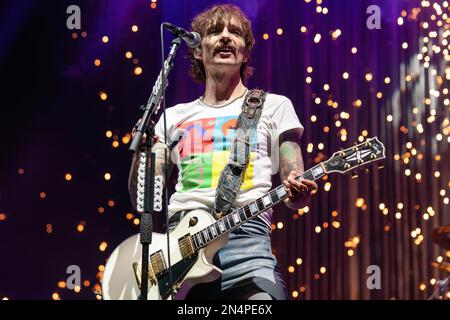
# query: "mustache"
[[223, 47]]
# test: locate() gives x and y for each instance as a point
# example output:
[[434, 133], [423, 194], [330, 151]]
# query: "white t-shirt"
[[203, 151]]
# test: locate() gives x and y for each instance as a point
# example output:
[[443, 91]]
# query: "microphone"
[[192, 39]]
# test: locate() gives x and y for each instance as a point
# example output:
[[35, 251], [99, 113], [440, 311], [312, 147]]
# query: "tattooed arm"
[[291, 166]]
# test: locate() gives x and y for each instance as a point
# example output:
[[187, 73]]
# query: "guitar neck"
[[237, 217]]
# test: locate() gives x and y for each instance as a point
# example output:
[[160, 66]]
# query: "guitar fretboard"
[[237, 217]]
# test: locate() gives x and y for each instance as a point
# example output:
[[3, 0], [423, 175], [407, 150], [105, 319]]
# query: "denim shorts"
[[248, 266]]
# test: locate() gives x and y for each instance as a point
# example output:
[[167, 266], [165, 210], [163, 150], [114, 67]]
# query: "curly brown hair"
[[221, 14]]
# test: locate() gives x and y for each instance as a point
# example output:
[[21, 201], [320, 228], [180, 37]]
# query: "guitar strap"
[[231, 178]]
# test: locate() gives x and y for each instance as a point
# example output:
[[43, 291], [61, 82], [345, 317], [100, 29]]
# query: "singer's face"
[[223, 46]]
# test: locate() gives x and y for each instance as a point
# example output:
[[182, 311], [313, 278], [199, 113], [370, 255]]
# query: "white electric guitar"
[[198, 236]]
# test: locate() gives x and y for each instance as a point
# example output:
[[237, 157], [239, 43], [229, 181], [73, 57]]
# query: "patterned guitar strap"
[[231, 178]]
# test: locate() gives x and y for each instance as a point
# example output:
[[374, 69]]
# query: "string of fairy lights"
[[430, 117]]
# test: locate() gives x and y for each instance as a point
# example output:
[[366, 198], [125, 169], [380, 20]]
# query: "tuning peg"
[[366, 170], [347, 165], [354, 175]]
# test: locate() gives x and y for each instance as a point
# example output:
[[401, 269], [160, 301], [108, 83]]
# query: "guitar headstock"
[[357, 156]]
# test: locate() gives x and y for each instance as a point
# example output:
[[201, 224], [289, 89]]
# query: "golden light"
[[129, 216], [335, 34], [103, 96], [137, 71], [400, 205], [336, 224], [325, 10], [407, 172], [280, 225], [107, 176], [359, 202], [418, 176], [115, 144], [77, 289], [317, 38], [398, 215], [302, 289], [327, 186], [308, 79], [354, 50], [126, 138], [387, 80], [136, 221], [108, 134], [55, 296], [279, 31], [379, 95], [313, 118], [42, 195], [105, 39], [326, 87], [422, 287], [265, 36], [291, 269], [323, 270], [345, 75], [294, 294], [111, 203], [101, 268], [80, 228], [97, 62], [299, 261], [128, 55], [134, 28], [369, 76], [20, 171], [61, 284], [405, 45], [400, 21], [101, 210], [103, 246], [153, 5], [350, 252], [317, 229], [303, 29], [2, 217], [68, 176], [317, 100], [389, 118]]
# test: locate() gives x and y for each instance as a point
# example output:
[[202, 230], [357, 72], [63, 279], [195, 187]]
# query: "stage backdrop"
[[353, 70]]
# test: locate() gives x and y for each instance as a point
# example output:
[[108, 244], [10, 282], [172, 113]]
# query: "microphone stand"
[[153, 103]]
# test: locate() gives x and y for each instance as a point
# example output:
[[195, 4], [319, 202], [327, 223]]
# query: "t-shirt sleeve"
[[159, 128], [284, 118]]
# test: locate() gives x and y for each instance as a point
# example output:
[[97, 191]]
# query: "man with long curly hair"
[[222, 64]]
